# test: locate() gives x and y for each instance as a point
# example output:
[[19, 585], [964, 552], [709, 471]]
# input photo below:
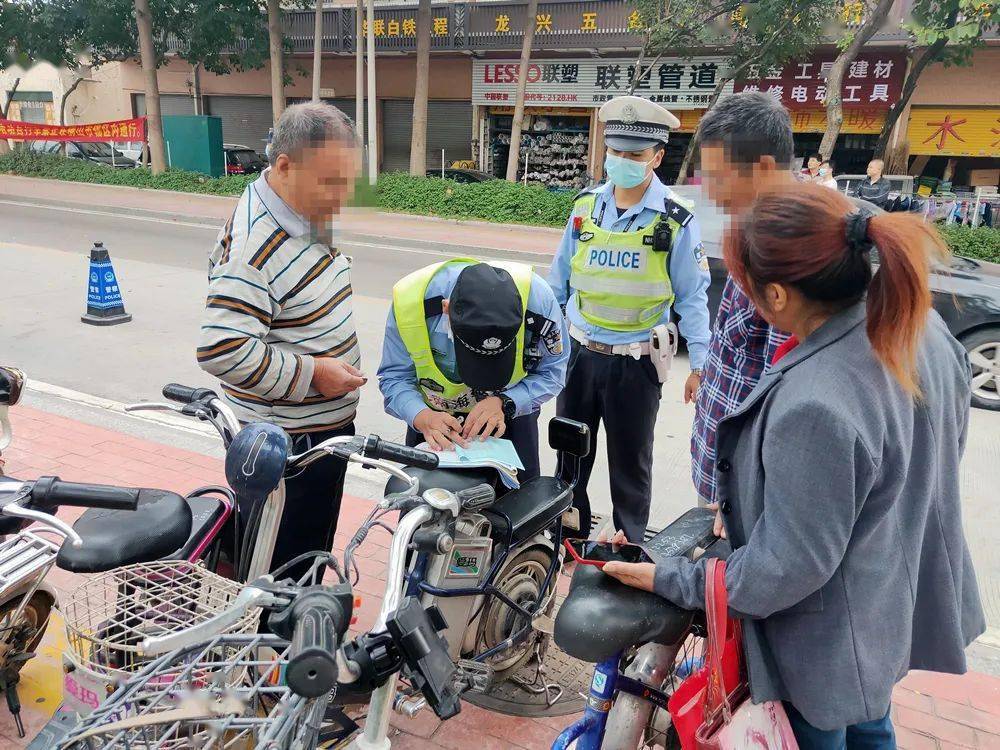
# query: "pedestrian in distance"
[[875, 189], [825, 176]]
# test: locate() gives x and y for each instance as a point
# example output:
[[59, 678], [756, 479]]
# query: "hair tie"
[[857, 230]]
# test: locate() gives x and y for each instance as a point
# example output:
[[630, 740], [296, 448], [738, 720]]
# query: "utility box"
[[194, 143]]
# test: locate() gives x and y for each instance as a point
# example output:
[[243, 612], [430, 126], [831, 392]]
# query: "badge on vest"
[[431, 385], [586, 237], [617, 259]]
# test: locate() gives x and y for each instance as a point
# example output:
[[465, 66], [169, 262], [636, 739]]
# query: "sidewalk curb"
[[354, 471]]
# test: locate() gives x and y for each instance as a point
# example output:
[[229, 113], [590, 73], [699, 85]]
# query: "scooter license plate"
[[83, 692]]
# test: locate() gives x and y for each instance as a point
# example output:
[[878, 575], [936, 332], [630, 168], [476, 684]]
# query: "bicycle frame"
[[588, 731]]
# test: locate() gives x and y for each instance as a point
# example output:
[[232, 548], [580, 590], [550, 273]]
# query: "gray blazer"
[[841, 497]]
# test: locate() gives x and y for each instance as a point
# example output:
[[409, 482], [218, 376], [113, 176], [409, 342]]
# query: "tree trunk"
[[62, 107], [909, 85], [147, 54], [317, 50], [522, 83], [418, 139], [835, 80], [359, 73], [693, 144], [276, 39], [4, 107]]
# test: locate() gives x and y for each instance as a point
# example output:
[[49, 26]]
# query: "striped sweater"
[[276, 299]]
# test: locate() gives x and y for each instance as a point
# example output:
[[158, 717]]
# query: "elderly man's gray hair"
[[305, 125]]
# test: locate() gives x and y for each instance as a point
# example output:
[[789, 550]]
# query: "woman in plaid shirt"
[[746, 148]]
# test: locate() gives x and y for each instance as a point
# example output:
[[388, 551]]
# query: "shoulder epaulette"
[[672, 209]]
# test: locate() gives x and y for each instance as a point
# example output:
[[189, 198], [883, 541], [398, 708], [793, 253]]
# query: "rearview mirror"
[[569, 436]]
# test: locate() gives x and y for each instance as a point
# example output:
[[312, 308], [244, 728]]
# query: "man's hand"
[[485, 419], [637, 575], [333, 378], [691, 387], [439, 428]]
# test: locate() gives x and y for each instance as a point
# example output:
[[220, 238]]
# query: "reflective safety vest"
[[622, 282], [411, 313]]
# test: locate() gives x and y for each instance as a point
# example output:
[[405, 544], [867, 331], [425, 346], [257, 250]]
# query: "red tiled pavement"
[[931, 711]]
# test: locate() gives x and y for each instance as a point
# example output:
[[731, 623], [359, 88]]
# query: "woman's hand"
[[637, 575], [718, 528]]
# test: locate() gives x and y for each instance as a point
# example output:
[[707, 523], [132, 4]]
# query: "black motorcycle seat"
[[453, 480], [602, 617], [160, 525], [530, 509]]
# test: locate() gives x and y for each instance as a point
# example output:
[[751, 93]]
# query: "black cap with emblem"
[[485, 313]]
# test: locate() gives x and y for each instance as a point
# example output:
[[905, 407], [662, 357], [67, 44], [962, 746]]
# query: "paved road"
[[161, 265]]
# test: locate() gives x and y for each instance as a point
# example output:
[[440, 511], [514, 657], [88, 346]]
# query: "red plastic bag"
[[687, 704]]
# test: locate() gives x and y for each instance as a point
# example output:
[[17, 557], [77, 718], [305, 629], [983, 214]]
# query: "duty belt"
[[636, 349]]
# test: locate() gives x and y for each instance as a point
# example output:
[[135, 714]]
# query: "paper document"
[[492, 452]]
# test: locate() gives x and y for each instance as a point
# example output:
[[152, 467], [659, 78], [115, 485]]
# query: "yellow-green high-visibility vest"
[[408, 294], [621, 282]]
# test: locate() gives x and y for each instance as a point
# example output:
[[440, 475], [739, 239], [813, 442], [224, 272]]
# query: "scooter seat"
[[531, 508], [160, 524], [453, 480], [602, 617]]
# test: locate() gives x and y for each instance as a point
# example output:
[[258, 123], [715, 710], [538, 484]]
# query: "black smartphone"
[[589, 552]]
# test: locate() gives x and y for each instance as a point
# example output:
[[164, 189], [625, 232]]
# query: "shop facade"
[[562, 144]]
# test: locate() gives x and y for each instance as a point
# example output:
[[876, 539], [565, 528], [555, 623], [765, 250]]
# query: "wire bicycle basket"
[[169, 705], [109, 615]]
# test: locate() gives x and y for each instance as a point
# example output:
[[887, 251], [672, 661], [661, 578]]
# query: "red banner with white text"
[[118, 130]]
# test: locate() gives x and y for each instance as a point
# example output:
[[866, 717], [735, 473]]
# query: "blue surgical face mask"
[[624, 172]]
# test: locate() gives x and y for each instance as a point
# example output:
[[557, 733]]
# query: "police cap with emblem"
[[632, 123], [485, 314]]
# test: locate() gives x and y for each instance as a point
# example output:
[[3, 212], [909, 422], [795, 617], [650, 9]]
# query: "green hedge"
[[982, 243], [497, 200], [54, 167]]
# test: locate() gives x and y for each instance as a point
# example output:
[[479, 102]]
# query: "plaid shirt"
[[742, 345]]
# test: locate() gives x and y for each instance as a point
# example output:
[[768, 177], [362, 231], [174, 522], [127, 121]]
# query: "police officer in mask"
[[631, 252]]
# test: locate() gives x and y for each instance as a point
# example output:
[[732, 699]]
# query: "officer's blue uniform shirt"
[[688, 271], [547, 358]]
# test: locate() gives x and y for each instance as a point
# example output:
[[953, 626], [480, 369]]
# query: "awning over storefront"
[[955, 131]]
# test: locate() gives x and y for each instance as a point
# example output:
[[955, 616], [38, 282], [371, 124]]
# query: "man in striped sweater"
[[278, 329]]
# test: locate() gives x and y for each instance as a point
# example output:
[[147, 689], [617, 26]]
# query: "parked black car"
[[243, 159], [966, 295], [99, 153], [461, 175]]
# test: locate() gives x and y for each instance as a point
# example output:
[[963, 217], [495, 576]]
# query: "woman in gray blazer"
[[839, 476]]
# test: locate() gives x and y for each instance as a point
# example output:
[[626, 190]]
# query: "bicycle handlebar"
[[375, 447], [319, 621], [52, 491], [184, 394]]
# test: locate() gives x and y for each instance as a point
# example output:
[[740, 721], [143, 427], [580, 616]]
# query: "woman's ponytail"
[[899, 296]]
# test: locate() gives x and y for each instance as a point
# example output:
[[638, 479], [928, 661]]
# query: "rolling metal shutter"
[[449, 127], [170, 104], [245, 119]]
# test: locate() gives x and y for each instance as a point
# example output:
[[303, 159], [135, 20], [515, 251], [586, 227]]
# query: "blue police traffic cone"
[[104, 299]]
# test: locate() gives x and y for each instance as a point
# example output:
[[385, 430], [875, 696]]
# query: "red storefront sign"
[[118, 130], [873, 80]]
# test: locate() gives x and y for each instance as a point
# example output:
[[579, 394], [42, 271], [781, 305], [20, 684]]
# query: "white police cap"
[[632, 123]]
